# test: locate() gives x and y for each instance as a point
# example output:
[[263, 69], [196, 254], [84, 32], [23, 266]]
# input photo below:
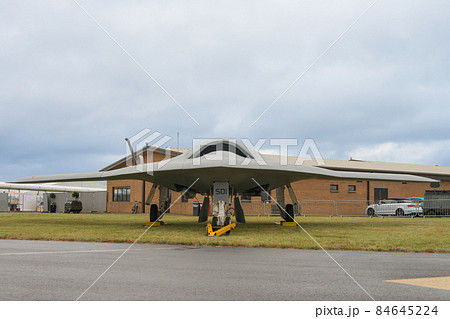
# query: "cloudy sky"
[[69, 94]]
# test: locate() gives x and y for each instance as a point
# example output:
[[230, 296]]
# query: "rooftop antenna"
[[178, 131], [133, 156]]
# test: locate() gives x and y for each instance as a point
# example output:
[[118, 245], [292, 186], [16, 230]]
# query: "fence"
[[349, 208], [352, 207], [436, 207], [24, 202], [336, 208], [318, 207], [267, 208]]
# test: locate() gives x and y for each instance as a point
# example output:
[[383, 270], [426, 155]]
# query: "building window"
[[121, 194], [334, 188], [351, 188]]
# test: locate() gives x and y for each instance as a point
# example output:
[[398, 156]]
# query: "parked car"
[[395, 207], [417, 200]]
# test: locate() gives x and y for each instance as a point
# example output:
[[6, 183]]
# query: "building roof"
[[161, 150], [379, 167]]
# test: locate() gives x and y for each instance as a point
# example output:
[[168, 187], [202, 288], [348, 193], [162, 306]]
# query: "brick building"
[[123, 194]]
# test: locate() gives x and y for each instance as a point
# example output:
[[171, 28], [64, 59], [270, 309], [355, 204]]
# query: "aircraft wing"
[[118, 174], [178, 173]]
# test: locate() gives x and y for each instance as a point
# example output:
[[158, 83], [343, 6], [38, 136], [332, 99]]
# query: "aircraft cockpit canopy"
[[224, 146]]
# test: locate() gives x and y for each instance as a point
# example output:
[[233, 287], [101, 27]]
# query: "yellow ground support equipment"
[[288, 224], [211, 233], [154, 224]]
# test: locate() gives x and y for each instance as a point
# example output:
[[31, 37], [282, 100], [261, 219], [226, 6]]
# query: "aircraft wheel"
[[399, 212], [153, 213], [371, 212], [289, 213]]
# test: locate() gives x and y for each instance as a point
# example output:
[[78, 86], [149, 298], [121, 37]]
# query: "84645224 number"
[[406, 311]]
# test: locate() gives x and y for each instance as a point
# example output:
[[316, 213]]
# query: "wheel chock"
[[288, 224], [154, 224]]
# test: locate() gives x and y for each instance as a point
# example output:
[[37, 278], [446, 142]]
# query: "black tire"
[[399, 212], [227, 222], [371, 212], [214, 221], [153, 213], [289, 213]]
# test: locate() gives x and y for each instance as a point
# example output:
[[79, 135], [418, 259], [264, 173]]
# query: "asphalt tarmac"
[[39, 270]]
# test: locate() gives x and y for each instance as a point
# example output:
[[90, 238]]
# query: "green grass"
[[349, 233]]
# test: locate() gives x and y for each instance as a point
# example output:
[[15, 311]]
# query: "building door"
[[380, 194]]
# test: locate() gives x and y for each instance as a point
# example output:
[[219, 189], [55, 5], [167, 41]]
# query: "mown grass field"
[[349, 233]]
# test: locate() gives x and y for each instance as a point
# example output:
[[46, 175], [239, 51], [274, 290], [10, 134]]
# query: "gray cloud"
[[69, 95]]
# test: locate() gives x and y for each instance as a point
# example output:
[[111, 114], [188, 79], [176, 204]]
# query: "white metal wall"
[[92, 201], [4, 202]]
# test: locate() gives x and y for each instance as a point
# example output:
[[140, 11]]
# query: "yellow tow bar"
[[221, 231]]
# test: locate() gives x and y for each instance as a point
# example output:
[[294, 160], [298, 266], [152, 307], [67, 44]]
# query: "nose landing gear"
[[221, 221]]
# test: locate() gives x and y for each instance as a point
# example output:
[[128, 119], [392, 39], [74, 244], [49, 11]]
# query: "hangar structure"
[[316, 194], [36, 197]]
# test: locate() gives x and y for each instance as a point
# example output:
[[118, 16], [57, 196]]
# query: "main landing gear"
[[164, 205], [154, 217], [288, 213]]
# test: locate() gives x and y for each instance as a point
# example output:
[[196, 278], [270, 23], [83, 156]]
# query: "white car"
[[396, 207]]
